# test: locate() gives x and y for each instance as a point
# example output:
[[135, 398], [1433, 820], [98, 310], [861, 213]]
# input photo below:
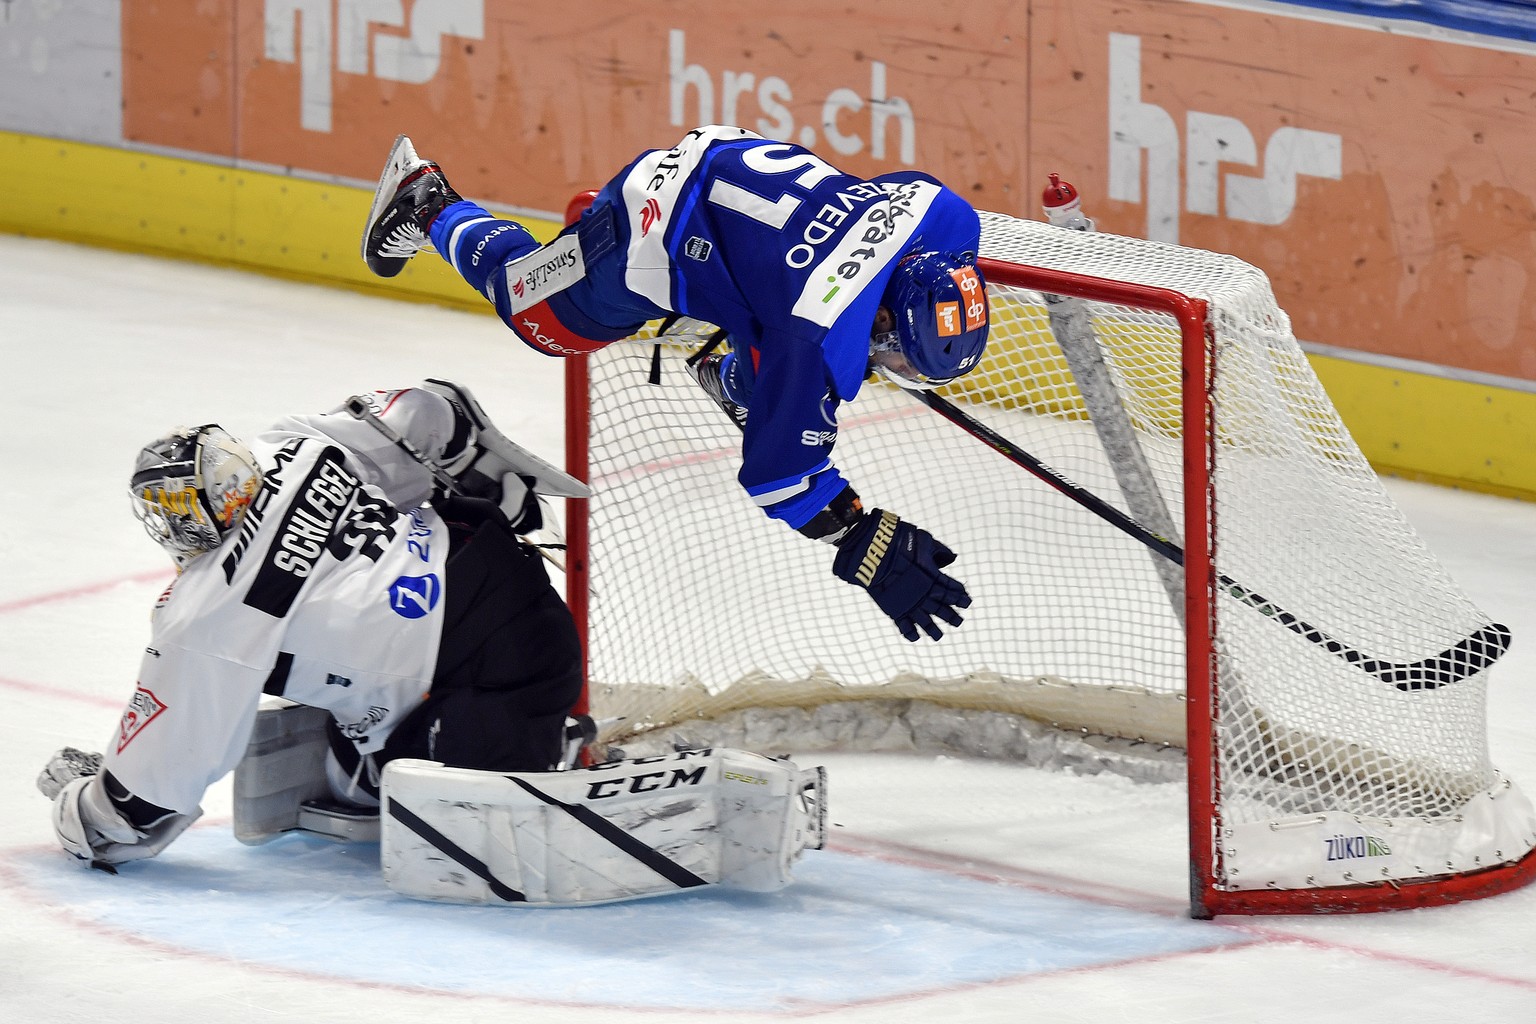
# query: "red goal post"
[[1336, 765]]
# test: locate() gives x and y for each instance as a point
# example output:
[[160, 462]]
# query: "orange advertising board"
[[525, 108], [1382, 180], [1385, 182]]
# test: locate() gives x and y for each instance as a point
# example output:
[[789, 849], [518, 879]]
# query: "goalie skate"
[[410, 195]]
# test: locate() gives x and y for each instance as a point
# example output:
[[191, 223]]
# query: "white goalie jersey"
[[330, 593]]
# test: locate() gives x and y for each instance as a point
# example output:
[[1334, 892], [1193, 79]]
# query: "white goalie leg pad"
[[617, 831], [283, 768]]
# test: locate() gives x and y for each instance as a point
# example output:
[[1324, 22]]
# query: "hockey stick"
[[1468, 657]]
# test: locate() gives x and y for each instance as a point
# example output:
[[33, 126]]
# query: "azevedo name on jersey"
[[828, 219], [882, 225]]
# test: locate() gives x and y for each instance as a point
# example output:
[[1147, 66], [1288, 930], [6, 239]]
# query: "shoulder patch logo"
[[650, 213], [143, 708], [413, 597]]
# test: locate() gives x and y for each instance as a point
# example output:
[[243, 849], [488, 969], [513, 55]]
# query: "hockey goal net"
[[1292, 634]]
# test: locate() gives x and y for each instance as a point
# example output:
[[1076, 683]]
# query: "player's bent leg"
[[617, 831]]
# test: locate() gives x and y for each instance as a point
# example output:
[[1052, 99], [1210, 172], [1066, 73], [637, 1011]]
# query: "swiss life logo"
[[303, 32], [1209, 141], [649, 215]]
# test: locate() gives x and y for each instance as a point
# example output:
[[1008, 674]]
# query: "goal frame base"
[[1207, 901]]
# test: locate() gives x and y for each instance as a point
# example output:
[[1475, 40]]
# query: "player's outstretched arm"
[[901, 566]]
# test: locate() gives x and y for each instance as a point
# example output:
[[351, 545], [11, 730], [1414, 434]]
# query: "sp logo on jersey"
[[413, 597]]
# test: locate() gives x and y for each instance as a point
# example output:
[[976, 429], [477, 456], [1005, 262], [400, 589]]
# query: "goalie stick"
[[1467, 657]]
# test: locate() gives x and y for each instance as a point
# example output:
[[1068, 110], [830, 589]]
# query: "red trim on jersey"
[[541, 329]]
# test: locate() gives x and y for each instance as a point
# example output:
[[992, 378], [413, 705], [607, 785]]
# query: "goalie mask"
[[191, 487], [939, 303]]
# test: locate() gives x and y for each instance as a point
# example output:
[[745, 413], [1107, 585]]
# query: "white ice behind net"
[[703, 609]]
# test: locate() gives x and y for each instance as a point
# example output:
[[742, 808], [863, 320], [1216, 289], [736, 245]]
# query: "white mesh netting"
[[703, 609]]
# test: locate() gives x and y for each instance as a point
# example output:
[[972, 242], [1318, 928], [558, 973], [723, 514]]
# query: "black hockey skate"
[[411, 193], [706, 372]]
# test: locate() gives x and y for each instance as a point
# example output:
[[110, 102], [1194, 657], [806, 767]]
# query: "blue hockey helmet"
[[939, 303]]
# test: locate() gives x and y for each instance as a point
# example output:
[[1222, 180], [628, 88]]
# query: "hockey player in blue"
[[819, 278]]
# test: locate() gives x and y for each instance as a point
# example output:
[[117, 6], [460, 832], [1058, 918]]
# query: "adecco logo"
[[842, 116], [302, 32], [1210, 140]]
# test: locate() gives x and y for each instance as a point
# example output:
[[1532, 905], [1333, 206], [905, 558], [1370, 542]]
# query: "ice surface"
[[952, 891]]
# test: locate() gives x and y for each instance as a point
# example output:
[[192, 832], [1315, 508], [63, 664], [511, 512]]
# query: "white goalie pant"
[[616, 831]]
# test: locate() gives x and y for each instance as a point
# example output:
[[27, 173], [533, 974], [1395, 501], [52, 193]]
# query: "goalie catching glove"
[[901, 567]]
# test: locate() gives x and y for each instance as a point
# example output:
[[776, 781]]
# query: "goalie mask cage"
[[1335, 727]]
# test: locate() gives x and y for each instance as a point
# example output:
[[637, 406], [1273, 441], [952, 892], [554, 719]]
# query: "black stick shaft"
[[1469, 656]]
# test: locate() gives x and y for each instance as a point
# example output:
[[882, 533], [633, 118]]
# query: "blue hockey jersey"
[[763, 238]]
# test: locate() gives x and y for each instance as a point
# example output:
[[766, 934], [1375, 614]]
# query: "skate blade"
[[401, 161]]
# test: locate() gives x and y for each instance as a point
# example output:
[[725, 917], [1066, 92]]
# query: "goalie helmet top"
[[191, 487], [939, 303]]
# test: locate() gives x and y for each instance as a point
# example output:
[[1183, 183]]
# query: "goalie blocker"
[[616, 831]]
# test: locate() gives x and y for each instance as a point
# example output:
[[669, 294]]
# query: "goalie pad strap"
[[453, 851], [657, 862]]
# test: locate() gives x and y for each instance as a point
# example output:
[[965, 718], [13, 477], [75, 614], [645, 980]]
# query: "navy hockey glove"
[[899, 564]]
